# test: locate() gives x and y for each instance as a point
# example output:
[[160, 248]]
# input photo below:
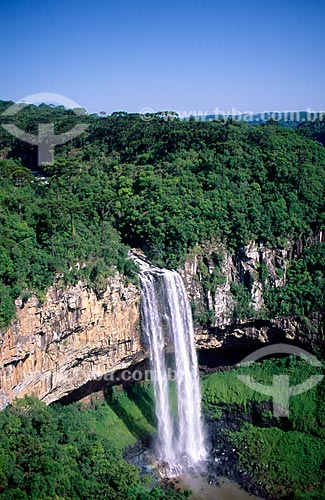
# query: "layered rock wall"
[[75, 336], [50, 349]]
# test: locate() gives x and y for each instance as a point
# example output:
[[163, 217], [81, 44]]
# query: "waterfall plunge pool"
[[202, 490], [204, 485]]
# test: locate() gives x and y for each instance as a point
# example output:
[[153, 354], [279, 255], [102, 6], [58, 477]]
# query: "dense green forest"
[[56, 452], [59, 453], [164, 186], [159, 185], [314, 129]]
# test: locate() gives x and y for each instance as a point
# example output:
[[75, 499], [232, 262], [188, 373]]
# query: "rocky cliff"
[[73, 337], [211, 274], [254, 333]]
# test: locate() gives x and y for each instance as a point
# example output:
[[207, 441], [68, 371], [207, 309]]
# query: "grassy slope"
[[287, 463], [125, 417]]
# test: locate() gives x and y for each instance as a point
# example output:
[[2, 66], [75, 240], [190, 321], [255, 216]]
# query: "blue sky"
[[247, 55]]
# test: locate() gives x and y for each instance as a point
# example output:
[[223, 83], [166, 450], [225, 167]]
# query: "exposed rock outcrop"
[[75, 337], [254, 333], [50, 349], [210, 275], [211, 272]]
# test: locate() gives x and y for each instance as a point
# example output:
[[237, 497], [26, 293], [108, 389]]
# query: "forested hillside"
[[159, 185], [49, 453]]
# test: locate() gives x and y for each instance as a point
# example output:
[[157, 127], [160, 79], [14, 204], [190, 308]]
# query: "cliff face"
[[53, 348], [211, 272], [76, 337], [254, 333]]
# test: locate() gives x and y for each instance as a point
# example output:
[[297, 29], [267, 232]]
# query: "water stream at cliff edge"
[[166, 314]]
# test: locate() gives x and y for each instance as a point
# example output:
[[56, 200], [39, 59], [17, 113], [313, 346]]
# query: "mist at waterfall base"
[[166, 314]]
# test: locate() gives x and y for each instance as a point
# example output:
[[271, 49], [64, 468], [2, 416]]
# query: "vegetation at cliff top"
[[162, 186]]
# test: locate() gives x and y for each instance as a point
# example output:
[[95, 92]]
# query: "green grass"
[[133, 415], [125, 417], [306, 410], [287, 463]]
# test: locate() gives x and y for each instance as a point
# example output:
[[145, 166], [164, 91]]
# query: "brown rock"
[[50, 349]]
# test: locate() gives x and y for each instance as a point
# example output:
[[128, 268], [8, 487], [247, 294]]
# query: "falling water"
[[166, 313], [151, 323], [190, 439]]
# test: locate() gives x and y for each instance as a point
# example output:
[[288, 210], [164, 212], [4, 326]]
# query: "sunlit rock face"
[[75, 336]]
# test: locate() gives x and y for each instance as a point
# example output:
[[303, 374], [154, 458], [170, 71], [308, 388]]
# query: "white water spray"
[[151, 323], [190, 439], [166, 313]]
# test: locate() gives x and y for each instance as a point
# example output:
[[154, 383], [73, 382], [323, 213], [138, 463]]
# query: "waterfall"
[[190, 439], [152, 326], [166, 314]]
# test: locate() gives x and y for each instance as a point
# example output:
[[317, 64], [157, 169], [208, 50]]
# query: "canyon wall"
[[50, 349], [211, 273], [77, 336]]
